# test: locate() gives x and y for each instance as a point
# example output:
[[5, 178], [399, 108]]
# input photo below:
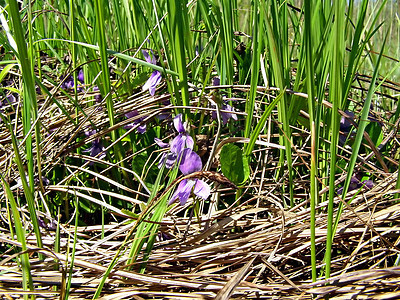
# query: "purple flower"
[[345, 123], [155, 77], [142, 128], [183, 139], [225, 115], [356, 184], [97, 97], [168, 158], [96, 148], [68, 83], [185, 187], [190, 163], [10, 99], [81, 76]]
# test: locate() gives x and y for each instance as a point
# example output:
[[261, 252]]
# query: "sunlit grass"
[[79, 140]]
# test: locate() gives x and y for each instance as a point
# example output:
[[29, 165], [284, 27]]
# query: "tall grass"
[[312, 47]]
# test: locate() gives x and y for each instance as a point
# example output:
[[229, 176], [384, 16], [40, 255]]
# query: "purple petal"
[[161, 143], [90, 132], [97, 97], [146, 56], [81, 76], [150, 59], [339, 191], [216, 81], [129, 126], [142, 129], [202, 189], [178, 124], [227, 115], [178, 144], [190, 162], [152, 82], [345, 123], [168, 159], [183, 191], [189, 142], [368, 183], [131, 114]]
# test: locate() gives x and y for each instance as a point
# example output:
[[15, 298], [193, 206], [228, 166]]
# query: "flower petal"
[[178, 124], [368, 183], [161, 143], [190, 162], [345, 123], [168, 159], [146, 56], [142, 129], [152, 82], [178, 144], [150, 59], [81, 76], [183, 191], [202, 189], [131, 114], [189, 142]]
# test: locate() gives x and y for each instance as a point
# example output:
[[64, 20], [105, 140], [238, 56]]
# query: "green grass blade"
[[257, 45], [359, 137], [29, 106], [27, 283]]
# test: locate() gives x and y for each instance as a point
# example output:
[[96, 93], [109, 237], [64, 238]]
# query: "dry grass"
[[254, 248]]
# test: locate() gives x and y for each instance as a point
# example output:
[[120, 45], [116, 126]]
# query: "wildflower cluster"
[[181, 151]]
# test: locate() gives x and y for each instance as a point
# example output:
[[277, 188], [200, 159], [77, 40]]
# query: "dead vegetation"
[[251, 248]]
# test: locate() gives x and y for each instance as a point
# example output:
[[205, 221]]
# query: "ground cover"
[[203, 149]]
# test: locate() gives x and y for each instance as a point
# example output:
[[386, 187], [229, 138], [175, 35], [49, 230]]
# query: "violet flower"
[[356, 184], [183, 139], [190, 162], [96, 148], [68, 83], [225, 106], [345, 123], [155, 77], [225, 115], [142, 128], [97, 97], [177, 145], [345, 126], [81, 76]]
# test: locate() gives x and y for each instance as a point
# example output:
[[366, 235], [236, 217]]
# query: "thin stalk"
[[309, 68]]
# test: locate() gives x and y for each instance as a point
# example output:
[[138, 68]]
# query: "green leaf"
[[234, 165]]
